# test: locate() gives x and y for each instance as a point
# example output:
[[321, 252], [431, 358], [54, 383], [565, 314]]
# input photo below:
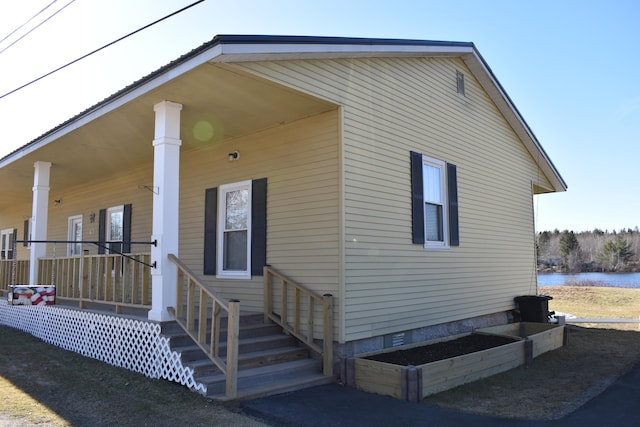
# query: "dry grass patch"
[[556, 383], [18, 408], [44, 385], [595, 302], [562, 380]]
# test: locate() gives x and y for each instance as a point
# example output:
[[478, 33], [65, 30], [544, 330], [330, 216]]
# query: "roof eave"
[[243, 48], [492, 86], [168, 72]]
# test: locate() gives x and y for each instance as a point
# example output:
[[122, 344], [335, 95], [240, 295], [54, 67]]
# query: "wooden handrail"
[[305, 301], [193, 315], [192, 276], [105, 279]]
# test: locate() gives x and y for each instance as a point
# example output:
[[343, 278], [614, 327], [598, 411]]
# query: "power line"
[[101, 48], [29, 20], [31, 30]]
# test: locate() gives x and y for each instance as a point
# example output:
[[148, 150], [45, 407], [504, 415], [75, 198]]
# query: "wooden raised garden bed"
[[545, 336], [415, 371]]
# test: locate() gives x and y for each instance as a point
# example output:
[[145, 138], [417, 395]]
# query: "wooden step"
[[250, 326], [179, 338], [245, 319], [191, 351], [268, 380], [269, 361], [203, 366], [271, 357]]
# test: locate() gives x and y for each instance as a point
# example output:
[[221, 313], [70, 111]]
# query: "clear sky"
[[570, 66]]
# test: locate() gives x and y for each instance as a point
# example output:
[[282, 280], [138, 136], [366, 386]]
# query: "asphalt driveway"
[[334, 405]]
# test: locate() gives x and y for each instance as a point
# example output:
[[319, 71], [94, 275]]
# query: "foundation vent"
[[397, 339]]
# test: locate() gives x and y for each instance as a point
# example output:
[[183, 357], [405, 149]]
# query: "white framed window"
[[435, 203], [234, 236], [114, 226], [74, 234], [7, 236]]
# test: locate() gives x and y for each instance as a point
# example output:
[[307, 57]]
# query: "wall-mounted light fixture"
[[234, 156]]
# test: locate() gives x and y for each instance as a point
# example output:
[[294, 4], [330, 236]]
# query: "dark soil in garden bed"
[[442, 350]]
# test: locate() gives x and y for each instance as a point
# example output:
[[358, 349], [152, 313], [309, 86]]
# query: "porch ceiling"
[[218, 101]]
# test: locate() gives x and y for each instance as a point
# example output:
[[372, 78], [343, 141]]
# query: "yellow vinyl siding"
[[393, 106], [299, 161], [88, 198], [13, 217], [338, 195]]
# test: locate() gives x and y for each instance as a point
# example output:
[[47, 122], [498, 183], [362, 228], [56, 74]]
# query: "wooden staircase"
[[269, 361]]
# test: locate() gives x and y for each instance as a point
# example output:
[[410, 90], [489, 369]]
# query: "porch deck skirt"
[[132, 344]]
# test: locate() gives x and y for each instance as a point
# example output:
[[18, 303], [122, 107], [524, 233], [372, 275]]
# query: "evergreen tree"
[[559, 248], [617, 252], [570, 250], [544, 240]]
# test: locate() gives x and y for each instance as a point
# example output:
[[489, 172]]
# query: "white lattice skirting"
[[131, 344]]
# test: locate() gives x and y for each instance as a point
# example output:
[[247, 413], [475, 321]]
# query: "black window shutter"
[[25, 233], [417, 198], [452, 190], [210, 223], [126, 229], [258, 226], [102, 230], [13, 244]]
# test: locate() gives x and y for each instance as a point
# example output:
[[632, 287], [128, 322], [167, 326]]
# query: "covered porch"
[[101, 310], [127, 151], [86, 167]]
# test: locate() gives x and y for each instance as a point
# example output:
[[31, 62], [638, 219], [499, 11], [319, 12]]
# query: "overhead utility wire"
[[29, 20], [99, 49], [28, 32]]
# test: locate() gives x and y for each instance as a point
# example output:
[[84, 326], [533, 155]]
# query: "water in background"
[[615, 280]]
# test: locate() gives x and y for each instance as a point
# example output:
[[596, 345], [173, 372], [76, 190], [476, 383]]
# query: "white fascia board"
[[246, 52]]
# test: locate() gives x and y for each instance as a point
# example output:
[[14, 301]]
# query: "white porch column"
[[39, 216], [166, 183]]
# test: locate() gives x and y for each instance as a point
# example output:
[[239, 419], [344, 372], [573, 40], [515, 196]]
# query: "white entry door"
[[75, 235]]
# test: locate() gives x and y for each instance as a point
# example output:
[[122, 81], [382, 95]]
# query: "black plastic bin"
[[534, 308]]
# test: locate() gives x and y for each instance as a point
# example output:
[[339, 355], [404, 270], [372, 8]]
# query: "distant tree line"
[[597, 250]]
